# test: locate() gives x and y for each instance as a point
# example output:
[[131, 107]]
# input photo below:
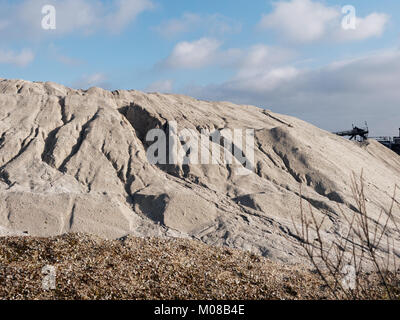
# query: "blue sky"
[[291, 56]]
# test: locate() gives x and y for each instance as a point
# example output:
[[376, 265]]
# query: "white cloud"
[[165, 86], [300, 20], [126, 11], [257, 69], [260, 58], [22, 59], [372, 25], [207, 52], [305, 21], [265, 80], [74, 15], [92, 80], [23, 19], [174, 27], [261, 67], [332, 97], [193, 55], [213, 24]]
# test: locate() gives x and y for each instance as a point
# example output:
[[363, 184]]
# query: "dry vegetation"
[[362, 262], [90, 268], [135, 268]]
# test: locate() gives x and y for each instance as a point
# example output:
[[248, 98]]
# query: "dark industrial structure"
[[356, 132], [361, 134], [390, 142]]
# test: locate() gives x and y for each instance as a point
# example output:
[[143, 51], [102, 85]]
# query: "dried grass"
[[367, 247], [135, 268]]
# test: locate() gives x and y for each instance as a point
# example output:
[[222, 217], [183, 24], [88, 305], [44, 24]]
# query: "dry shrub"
[[360, 263]]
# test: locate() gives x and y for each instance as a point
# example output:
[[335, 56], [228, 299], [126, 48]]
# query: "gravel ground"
[[87, 267], [134, 268]]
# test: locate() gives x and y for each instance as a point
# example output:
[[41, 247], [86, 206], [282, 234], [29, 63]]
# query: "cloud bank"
[[333, 96], [305, 21], [20, 59], [23, 19]]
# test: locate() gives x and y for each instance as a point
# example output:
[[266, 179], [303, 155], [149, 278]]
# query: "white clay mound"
[[75, 161]]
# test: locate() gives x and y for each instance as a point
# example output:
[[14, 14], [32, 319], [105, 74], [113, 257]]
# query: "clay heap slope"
[[75, 161]]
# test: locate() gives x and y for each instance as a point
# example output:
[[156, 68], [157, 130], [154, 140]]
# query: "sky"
[[306, 58]]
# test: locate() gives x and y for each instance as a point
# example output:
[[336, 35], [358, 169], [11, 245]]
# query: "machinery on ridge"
[[361, 134], [355, 132]]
